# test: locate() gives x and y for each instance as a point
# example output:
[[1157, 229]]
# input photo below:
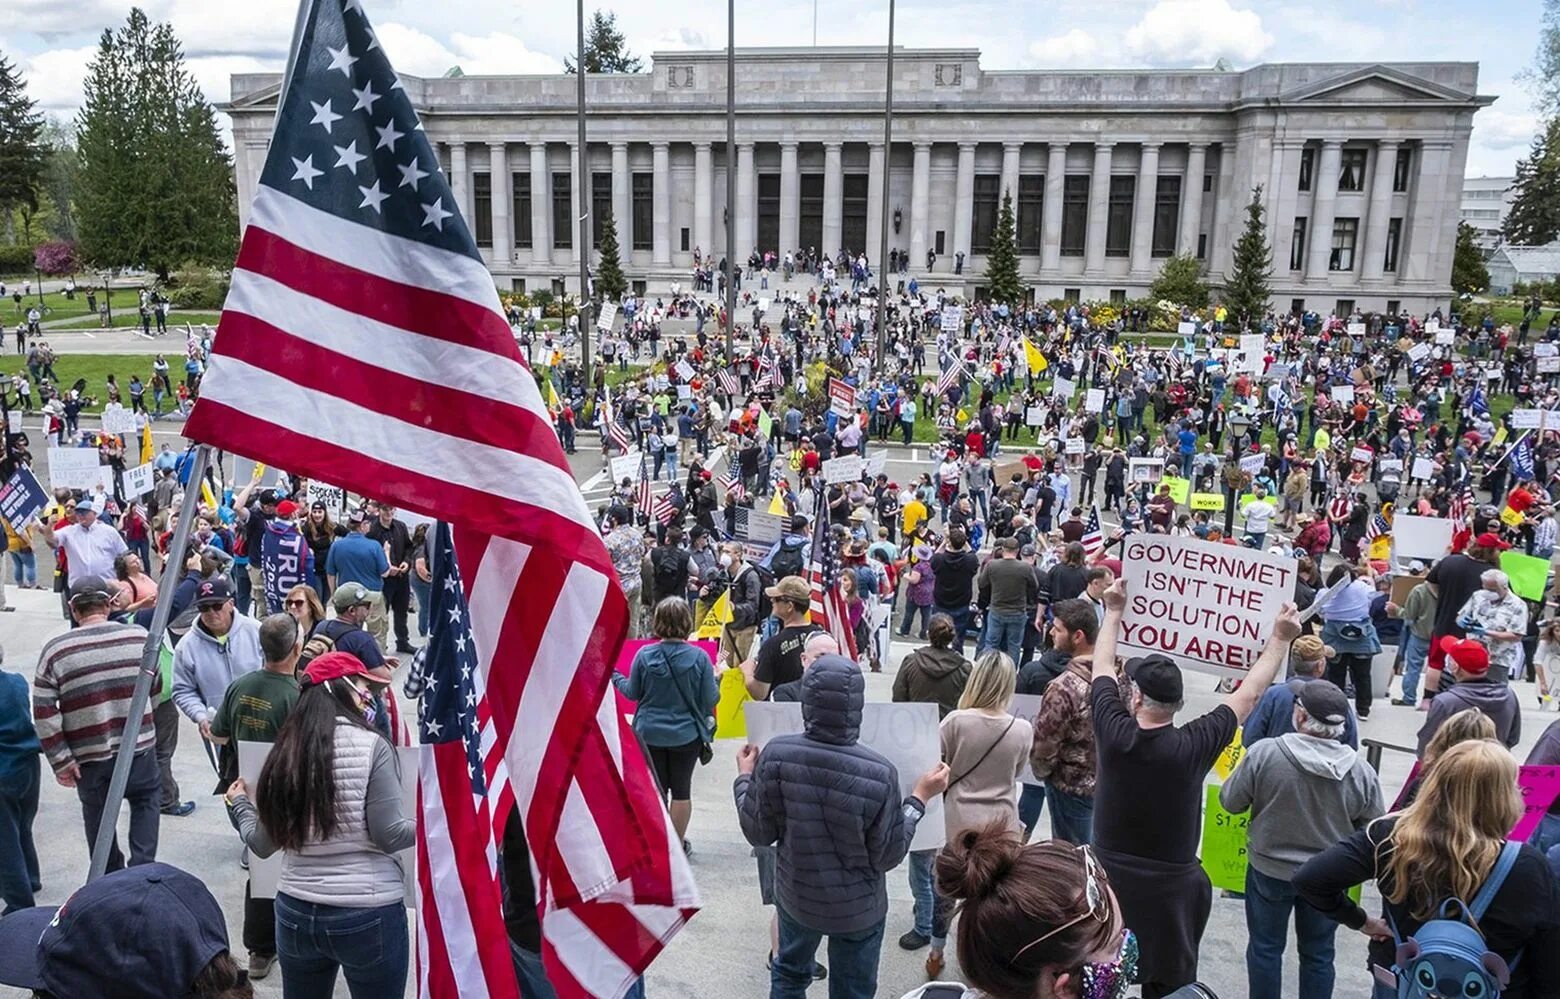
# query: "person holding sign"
[[1149, 790]]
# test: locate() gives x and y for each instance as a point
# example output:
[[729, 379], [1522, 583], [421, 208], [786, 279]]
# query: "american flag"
[[1093, 534], [733, 484], [664, 509], [1462, 500], [951, 374], [645, 499], [361, 311], [827, 605], [776, 375], [1379, 524], [609, 421], [727, 381]]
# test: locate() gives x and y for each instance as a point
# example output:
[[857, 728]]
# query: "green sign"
[[1529, 575]]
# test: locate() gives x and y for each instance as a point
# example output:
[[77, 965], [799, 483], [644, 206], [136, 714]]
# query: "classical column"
[[1010, 151], [1325, 182], [1228, 210], [833, 200], [661, 203], [1051, 209], [498, 184], [790, 195], [1432, 218], [575, 200], [964, 199], [541, 206], [920, 203], [459, 187], [747, 237], [1191, 197], [703, 192], [1143, 209], [877, 176], [622, 199], [1379, 212], [1099, 201]]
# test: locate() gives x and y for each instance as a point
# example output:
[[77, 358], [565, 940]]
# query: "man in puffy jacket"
[[829, 806], [222, 646]]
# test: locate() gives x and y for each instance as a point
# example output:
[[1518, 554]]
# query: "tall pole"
[[731, 176], [583, 181], [888, 160]]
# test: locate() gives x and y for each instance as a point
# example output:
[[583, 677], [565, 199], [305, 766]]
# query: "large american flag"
[[952, 375], [363, 343], [1093, 534], [827, 603]]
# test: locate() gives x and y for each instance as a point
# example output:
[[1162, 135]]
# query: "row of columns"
[[1371, 241]]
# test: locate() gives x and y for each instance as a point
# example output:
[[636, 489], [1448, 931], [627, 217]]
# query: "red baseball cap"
[[334, 665], [1491, 540], [1469, 656]]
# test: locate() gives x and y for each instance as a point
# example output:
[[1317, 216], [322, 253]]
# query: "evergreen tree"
[[1180, 281], [1543, 77], [1469, 275], [155, 187], [1247, 293], [610, 283], [1534, 219], [1002, 281], [606, 50], [21, 151]]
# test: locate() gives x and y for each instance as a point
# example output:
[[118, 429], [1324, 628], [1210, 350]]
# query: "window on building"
[[1307, 166], [1297, 245], [642, 192], [563, 214], [482, 208], [1073, 295], [558, 288], [1167, 215], [769, 213], [1118, 216], [637, 288], [1345, 307], [1394, 306], [520, 209], [1351, 170], [1118, 296], [1400, 168], [1031, 211], [1296, 306], [1207, 182], [1344, 236], [1075, 214], [517, 285], [983, 219], [1202, 246], [940, 242], [810, 222], [853, 212], [601, 207], [1389, 259], [684, 245]]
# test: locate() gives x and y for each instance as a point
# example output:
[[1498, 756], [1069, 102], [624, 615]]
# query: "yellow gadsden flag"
[[146, 444], [1037, 361]]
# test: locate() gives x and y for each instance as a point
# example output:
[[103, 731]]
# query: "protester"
[[1007, 589], [1453, 580], [934, 672], [359, 559], [19, 778], [222, 646], [1466, 725], [1308, 658], [1500, 618], [1469, 662], [1418, 613], [1347, 629], [304, 604], [779, 659], [1063, 754], [736, 635], [89, 546], [953, 573]]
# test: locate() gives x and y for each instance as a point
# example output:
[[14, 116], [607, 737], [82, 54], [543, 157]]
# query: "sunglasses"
[[1097, 907], [297, 603]]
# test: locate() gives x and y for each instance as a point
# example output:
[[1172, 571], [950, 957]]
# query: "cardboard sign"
[[1206, 501], [730, 718], [1251, 464], [1424, 468], [1546, 350], [1180, 489], [1208, 606], [1547, 365], [334, 497], [1445, 337], [1026, 706], [1074, 445], [607, 316], [842, 469], [765, 528], [1186, 329], [1529, 575], [1386, 465], [875, 463], [1418, 352], [630, 649], [626, 466], [1094, 400], [22, 499], [1224, 843], [1539, 786], [137, 481], [684, 370], [1356, 329], [1145, 469], [78, 468], [1532, 419], [952, 319], [1421, 537], [1343, 394], [1064, 387], [1363, 454], [842, 398], [1034, 416], [905, 733], [118, 420]]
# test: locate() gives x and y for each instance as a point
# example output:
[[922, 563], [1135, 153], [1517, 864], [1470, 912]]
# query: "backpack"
[[319, 643], [669, 571], [788, 560], [1448, 955]]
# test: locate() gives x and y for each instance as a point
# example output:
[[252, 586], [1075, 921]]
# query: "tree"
[[58, 188], [21, 152], [1180, 281], [1534, 219], [1469, 275], [155, 187], [610, 283], [1247, 292], [606, 51], [1544, 75], [55, 259], [1002, 281]]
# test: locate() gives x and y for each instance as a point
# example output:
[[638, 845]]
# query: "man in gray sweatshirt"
[[1306, 791]]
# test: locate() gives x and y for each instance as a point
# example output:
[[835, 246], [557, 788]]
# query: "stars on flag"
[[365, 97], [373, 197], [342, 59], [348, 156], [435, 214], [387, 137], [305, 171], [323, 115], [410, 173]]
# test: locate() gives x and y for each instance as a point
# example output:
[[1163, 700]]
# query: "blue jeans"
[[1269, 902], [925, 610], [18, 859], [853, 961], [1072, 816], [961, 624], [530, 973], [315, 941], [424, 594], [932, 912], [1415, 651], [24, 568], [1031, 801], [1005, 632]]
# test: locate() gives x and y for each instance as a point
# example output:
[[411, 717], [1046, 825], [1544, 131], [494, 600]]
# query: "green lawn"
[[96, 368]]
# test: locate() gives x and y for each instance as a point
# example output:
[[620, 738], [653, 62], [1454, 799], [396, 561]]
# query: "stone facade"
[[1360, 166]]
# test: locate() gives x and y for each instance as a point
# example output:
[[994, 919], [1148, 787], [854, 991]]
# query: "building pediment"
[[1373, 85]]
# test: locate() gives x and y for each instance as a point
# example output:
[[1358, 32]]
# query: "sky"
[[52, 40]]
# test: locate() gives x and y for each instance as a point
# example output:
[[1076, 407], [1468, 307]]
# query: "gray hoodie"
[[203, 666], [1492, 697], [1305, 794]]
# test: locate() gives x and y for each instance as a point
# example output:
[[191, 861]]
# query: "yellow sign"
[[777, 504], [1035, 359], [719, 614], [1500, 436], [1207, 501], [1180, 488], [1381, 548], [1510, 517], [730, 720], [1227, 760]]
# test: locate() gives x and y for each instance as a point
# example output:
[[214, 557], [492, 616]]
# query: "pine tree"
[[1003, 284], [1469, 274], [606, 50], [155, 187], [1247, 292], [1534, 219], [21, 151], [1180, 281], [610, 283]]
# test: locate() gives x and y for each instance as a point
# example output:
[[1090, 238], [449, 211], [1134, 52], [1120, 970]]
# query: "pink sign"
[[1539, 786], [631, 648]]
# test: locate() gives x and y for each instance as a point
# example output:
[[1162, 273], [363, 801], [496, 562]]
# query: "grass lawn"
[[131, 319], [96, 368]]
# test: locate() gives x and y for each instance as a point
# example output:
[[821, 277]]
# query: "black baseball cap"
[[90, 588], [143, 932], [1158, 677], [213, 592], [1324, 702], [268, 497]]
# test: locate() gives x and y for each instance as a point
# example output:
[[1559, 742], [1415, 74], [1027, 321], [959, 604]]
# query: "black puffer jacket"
[[831, 806]]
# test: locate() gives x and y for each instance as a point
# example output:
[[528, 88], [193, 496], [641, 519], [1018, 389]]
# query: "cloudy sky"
[[52, 40]]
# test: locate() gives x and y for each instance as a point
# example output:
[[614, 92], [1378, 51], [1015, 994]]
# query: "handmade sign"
[[842, 397], [1421, 537], [630, 649], [1343, 394], [1034, 416], [334, 497], [952, 318], [1424, 468], [118, 420], [1180, 488], [1026, 706], [1206, 501], [1094, 400], [22, 499], [1539, 786], [843, 469], [1145, 469], [78, 468], [608, 313], [137, 481], [1529, 575], [1064, 387]]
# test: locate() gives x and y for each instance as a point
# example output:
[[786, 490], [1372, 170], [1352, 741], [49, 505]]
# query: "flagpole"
[[173, 564], [888, 160], [731, 175], [586, 188]]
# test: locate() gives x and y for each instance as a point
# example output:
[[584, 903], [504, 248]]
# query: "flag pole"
[[888, 159], [731, 175], [173, 565], [582, 180]]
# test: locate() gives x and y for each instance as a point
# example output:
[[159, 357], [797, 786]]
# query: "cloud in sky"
[[1199, 32]]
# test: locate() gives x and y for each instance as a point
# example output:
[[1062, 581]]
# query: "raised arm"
[[1285, 630], [1105, 646]]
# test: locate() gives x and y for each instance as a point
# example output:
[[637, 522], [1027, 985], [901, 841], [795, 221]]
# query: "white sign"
[[765, 527], [626, 466], [334, 497], [1421, 537], [1034, 416], [875, 463], [1424, 468], [905, 733], [684, 390], [1075, 445], [1208, 606], [952, 318], [843, 469], [13, 421], [1356, 329], [1432, 324], [1343, 394], [1145, 469], [1186, 329], [1445, 337], [1532, 419], [265, 872], [763, 306], [1027, 707], [608, 315], [118, 420], [1418, 352], [1545, 350], [684, 370], [1094, 400], [1063, 387], [1386, 465], [137, 481], [78, 468], [1361, 454], [1251, 464], [1276, 372], [1544, 366]]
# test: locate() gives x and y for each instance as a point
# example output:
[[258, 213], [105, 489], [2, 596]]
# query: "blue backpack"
[[1448, 958]]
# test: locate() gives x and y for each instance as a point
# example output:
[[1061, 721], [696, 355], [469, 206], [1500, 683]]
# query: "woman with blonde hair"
[[303, 603], [1465, 726], [1445, 846]]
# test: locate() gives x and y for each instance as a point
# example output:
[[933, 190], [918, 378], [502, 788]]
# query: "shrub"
[[16, 259], [202, 290]]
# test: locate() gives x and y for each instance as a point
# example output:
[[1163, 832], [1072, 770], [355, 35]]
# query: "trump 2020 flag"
[[363, 344]]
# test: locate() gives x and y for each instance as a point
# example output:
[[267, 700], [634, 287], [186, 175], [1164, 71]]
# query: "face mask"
[[1110, 979], [725, 561]]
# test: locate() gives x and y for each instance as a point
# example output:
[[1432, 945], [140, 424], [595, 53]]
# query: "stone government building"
[[1361, 167]]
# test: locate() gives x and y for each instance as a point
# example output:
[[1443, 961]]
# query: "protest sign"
[[1445, 337], [1180, 489], [842, 398], [334, 497], [13, 421], [1546, 350], [1276, 372], [118, 420], [1539, 786], [1419, 351], [952, 318], [842, 469], [763, 305], [905, 733], [1034, 416], [1026, 706], [1421, 537], [1186, 329], [684, 370], [626, 466], [1390, 465], [630, 649], [78, 468], [1064, 387], [1356, 329], [265, 872], [1361, 454], [765, 528], [137, 481], [1206, 501], [1094, 400], [1075, 445], [1529, 575], [730, 718], [1208, 606], [1224, 843], [608, 315], [1145, 469], [1251, 464], [684, 391], [1343, 394], [1226, 762], [1424, 468], [22, 499], [875, 463], [1548, 365], [1533, 419]]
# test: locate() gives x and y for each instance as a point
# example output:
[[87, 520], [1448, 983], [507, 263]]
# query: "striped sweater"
[[82, 691]]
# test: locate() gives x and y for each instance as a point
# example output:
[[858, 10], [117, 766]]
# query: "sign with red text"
[[842, 397], [1210, 607]]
